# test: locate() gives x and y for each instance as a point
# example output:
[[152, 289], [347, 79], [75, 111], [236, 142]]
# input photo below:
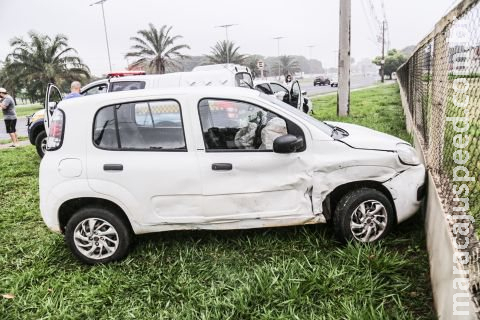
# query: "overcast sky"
[[302, 23]]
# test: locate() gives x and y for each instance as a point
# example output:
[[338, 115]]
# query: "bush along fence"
[[441, 85]]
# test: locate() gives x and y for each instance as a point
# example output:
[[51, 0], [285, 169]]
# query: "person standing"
[[9, 115], [74, 90]]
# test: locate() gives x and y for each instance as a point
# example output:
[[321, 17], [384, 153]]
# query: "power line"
[[369, 23]]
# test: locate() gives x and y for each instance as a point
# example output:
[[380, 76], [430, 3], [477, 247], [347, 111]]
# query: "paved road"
[[21, 128], [357, 81]]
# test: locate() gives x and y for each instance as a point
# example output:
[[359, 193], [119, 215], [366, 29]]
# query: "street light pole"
[[226, 26], [278, 53], [105, 27]]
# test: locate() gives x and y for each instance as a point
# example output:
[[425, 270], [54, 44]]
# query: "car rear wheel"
[[363, 215], [41, 143], [98, 235]]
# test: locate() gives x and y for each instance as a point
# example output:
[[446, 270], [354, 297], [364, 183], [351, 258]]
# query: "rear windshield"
[[127, 85]]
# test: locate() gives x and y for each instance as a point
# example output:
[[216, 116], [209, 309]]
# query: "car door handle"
[[222, 166], [113, 167]]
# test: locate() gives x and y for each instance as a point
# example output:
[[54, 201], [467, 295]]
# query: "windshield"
[[319, 124]]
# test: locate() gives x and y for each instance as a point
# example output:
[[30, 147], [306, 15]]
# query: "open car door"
[[296, 97], [52, 98]]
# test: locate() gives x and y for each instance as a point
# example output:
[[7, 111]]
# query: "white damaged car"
[[146, 161]]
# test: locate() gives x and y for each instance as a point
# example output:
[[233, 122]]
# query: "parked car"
[[334, 82], [143, 161], [321, 81], [210, 75], [281, 92]]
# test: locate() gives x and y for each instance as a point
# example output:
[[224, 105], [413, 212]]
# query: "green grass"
[[379, 108], [274, 273], [26, 110]]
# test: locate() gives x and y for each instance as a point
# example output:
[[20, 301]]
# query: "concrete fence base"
[[440, 246]]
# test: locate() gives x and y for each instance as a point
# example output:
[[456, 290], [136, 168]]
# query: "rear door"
[[52, 98], [141, 155]]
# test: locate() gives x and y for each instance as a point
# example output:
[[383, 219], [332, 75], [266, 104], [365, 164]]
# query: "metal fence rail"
[[441, 81]]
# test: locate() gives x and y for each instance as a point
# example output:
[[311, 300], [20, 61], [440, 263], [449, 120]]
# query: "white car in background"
[[293, 95], [144, 161]]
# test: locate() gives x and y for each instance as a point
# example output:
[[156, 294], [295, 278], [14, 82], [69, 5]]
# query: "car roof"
[[116, 97]]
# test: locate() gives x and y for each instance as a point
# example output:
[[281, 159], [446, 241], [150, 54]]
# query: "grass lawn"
[[276, 273], [26, 110]]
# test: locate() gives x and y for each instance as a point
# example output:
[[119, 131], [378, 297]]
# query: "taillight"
[[55, 134]]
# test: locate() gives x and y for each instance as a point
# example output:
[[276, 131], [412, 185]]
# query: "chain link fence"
[[441, 82]]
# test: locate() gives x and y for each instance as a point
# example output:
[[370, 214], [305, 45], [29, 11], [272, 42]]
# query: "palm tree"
[[155, 49], [288, 65], [223, 50], [251, 62], [43, 59]]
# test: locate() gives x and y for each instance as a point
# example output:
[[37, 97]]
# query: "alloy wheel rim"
[[368, 221], [44, 145], [95, 238]]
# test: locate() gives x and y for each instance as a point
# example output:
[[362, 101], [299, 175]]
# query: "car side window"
[[101, 88], [237, 125], [278, 88], [147, 125], [264, 87], [127, 85]]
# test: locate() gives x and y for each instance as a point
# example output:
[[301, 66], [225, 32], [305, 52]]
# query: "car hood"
[[39, 113], [364, 138]]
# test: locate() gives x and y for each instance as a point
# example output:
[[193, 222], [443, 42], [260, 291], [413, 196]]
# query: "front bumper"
[[407, 189]]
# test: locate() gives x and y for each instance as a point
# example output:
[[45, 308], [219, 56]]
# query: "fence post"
[[439, 100]]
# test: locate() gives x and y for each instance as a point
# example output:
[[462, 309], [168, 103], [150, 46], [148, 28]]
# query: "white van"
[[229, 75]]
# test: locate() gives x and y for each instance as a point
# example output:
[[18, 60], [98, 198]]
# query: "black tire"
[[40, 143], [327, 82], [346, 207], [120, 226]]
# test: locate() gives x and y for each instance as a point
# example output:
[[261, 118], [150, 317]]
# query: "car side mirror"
[[287, 144], [304, 93]]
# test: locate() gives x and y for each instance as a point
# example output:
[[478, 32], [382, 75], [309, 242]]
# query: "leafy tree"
[[34, 63], [288, 65], [225, 48], [155, 49], [393, 61], [9, 79]]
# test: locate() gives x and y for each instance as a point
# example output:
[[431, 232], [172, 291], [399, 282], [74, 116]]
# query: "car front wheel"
[[41, 143], [363, 215], [98, 235]]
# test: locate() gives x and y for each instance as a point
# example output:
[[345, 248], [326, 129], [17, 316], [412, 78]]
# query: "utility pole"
[[226, 26], [278, 53], [382, 66], [105, 27], [343, 94]]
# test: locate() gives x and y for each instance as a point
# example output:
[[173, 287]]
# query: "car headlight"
[[407, 154]]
